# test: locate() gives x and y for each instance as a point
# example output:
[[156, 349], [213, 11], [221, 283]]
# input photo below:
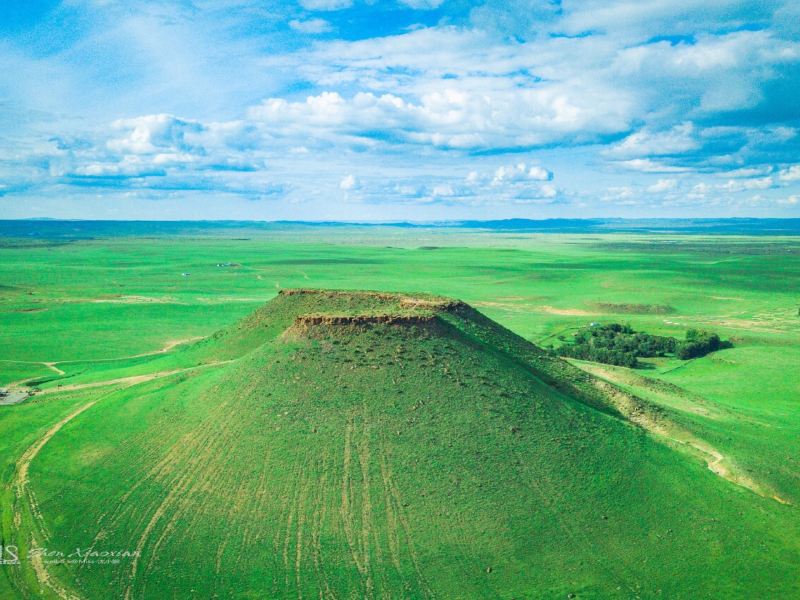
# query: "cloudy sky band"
[[391, 109]]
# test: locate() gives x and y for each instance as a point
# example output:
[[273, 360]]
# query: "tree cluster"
[[699, 343], [620, 345]]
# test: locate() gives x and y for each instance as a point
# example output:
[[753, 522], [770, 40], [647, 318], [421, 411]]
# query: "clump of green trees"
[[620, 345], [699, 343]]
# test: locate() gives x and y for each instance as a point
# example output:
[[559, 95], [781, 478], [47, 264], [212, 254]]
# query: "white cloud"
[[738, 185], [715, 73], [517, 183], [790, 174], [634, 19], [454, 117], [746, 172], [646, 165], [422, 190], [623, 195], [712, 72], [624, 192], [446, 110], [662, 185], [520, 172], [677, 140], [326, 5], [349, 183], [422, 4], [792, 200], [310, 26], [443, 190], [129, 166], [548, 191], [153, 133], [163, 153]]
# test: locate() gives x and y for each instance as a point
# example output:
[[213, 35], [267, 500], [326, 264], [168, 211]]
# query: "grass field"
[[239, 455]]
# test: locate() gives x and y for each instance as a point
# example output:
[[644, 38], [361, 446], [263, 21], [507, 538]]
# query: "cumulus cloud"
[[728, 151], [714, 73], [620, 193], [635, 95], [790, 174], [451, 117], [152, 144], [547, 191], [326, 5], [646, 165], [519, 183], [465, 88], [349, 183], [746, 172], [676, 140], [422, 4], [739, 185], [419, 190], [627, 19], [310, 26], [663, 185], [164, 153], [521, 18], [153, 133], [443, 190], [520, 172]]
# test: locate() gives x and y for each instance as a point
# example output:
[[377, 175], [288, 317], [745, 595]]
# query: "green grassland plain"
[[83, 312]]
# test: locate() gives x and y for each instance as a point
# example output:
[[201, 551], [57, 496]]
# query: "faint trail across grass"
[[23, 492], [132, 380]]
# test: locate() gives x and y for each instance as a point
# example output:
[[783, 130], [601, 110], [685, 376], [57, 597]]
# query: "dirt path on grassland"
[[169, 345], [131, 380], [22, 480], [52, 366], [166, 348], [688, 402], [127, 299], [23, 492], [637, 411]]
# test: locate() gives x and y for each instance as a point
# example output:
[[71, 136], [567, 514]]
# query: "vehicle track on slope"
[[23, 492], [131, 380]]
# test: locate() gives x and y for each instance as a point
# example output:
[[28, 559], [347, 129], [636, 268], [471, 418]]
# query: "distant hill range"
[[79, 229]]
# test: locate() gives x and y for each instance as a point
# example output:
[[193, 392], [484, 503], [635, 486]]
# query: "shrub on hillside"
[[699, 343]]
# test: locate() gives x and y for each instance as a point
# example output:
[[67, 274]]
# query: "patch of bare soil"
[[132, 300], [167, 347], [566, 312]]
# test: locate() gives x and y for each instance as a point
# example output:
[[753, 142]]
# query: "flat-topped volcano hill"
[[300, 309], [370, 445]]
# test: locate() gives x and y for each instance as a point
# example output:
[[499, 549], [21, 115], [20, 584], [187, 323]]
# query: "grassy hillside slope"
[[351, 445]]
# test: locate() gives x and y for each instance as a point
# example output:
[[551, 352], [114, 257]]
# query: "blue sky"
[[390, 109]]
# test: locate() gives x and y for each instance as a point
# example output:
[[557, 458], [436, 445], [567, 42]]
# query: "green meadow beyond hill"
[[337, 444]]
